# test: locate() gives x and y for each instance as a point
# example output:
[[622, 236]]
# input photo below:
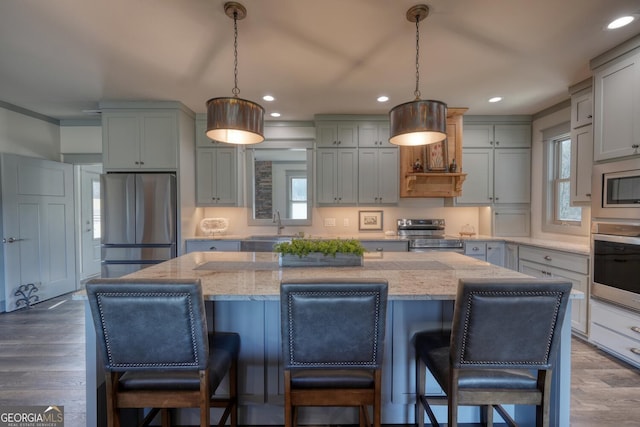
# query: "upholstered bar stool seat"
[[501, 349], [157, 351], [332, 345]]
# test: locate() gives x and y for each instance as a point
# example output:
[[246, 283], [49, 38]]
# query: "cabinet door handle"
[[213, 248], [590, 116], [635, 350], [475, 248], [547, 257], [497, 142], [339, 142], [379, 249], [635, 146], [636, 329]]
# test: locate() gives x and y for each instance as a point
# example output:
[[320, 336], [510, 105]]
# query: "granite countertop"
[[575, 248], [256, 275]]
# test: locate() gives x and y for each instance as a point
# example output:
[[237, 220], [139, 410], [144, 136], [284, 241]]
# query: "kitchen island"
[[243, 291]]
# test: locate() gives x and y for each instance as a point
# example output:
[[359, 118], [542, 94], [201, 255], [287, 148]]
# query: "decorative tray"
[[213, 226]]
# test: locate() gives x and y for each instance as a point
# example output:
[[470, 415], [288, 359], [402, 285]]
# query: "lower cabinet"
[[205, 245], [490, 251], [548, 263], [616, 330], [386, 245]]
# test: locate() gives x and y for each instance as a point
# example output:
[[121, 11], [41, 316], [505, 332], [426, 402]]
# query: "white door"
[[38, 229], [89, 220]]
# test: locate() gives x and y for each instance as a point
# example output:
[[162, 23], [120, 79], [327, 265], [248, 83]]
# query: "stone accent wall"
[[264, 190]]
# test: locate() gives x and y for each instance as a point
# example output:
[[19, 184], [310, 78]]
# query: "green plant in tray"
[[303, 247]]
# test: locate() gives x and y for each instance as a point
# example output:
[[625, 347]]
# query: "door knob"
[[11, 240]]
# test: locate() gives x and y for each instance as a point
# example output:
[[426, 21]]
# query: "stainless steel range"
[[427, 235]]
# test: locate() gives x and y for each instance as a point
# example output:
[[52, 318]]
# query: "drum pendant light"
[[418, 122], [232, 119]]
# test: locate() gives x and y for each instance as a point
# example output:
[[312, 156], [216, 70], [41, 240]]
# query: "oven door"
[[616, 269]]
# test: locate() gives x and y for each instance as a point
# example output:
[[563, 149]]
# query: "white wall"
[[537, 178], [81, 139], [28, 136]]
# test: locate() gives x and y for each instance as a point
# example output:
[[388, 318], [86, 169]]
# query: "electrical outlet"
[[345, 222], [329, 222]]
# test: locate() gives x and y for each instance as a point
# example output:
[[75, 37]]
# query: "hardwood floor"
[[42, 363], [42, 357]]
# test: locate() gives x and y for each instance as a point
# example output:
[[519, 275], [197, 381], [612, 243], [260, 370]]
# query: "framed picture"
[[370, 220], [437, 156]]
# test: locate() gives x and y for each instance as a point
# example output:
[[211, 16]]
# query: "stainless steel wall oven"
[[616, 263]]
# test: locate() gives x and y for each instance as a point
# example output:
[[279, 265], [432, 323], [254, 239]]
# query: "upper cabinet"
[[425, 170], [337, 134], [143, 135], [337, 176], [216, 170], [355, 163], [140, 140], [498, 163], [581, 142], [374, 134], [616, 105]]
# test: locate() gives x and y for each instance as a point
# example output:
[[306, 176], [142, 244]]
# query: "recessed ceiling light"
[[275, 114], [383, 98], [495, 99], [620, 22], [269, 98]]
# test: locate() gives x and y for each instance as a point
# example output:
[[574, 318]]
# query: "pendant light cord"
[[417, 91], [235, 89]]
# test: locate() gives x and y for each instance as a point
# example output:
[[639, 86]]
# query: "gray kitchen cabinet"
[[617, 107], [374, 134], [337, 134], [207, 245], [496, 135], [489, 251], [581, 144], [146, 139], [616, 331], [476, 249], [497, 159], [337, 176], [511, 256], [549, 263], [216, 176], [378, 176], [582, 107], [386, 245]]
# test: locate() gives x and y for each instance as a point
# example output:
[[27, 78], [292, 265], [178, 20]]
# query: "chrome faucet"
[[276, 220]]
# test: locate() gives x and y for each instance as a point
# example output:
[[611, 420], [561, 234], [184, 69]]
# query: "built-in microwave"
[[616, 188], [615, 253]]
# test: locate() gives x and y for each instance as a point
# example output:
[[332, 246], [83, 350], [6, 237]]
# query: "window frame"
[[551, 184]]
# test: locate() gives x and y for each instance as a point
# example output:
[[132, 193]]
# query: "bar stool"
[[157, 351], [332, 345], [501, 348]]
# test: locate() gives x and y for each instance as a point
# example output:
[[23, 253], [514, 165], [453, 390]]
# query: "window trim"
[[549, 222]]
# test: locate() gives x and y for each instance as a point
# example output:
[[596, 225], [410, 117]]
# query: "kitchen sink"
[[262, 243]]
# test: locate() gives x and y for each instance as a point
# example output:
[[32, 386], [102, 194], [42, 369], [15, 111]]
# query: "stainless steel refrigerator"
[[138, 221]]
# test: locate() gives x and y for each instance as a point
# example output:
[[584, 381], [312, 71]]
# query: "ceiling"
[[60, 58]]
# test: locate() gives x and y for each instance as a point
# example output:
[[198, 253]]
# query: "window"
[[563, 212], [297, 195], [559, 216]]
